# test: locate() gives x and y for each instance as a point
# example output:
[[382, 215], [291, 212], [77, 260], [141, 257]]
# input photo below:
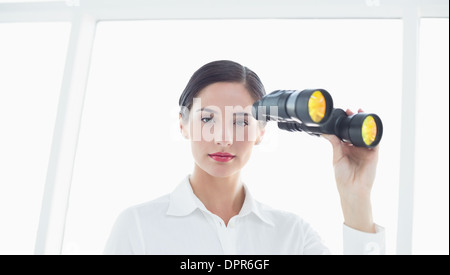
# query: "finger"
[[349, 112]]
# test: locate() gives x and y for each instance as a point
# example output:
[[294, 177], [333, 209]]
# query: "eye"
[[207, 119], [241, 123]]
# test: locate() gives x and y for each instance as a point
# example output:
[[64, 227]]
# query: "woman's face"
[[222, 129]]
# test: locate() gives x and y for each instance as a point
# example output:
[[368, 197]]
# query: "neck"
[[222, 196]]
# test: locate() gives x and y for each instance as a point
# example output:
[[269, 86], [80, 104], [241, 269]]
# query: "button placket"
[[225, 234]]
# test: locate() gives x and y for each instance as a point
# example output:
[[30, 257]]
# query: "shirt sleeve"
[[125, 237], [362, 243]]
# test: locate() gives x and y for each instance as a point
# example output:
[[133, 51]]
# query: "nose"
[[224, 137]]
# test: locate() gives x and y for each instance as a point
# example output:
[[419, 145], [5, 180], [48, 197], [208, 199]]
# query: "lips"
[[222, 156]]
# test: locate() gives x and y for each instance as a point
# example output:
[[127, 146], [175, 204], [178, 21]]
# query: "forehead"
[[222, 94]]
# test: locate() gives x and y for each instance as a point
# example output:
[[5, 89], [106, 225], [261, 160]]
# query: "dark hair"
[[220, 71]]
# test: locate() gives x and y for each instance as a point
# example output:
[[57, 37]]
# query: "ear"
[[184, 127], [258, 140]]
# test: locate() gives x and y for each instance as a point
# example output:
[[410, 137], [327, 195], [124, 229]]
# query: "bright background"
[[130, 150], [32, 57]]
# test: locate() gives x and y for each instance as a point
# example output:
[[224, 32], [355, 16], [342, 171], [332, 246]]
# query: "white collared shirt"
[[179, 223]]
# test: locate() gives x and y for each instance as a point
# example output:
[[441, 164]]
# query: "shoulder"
[[149, 209], [126, 236], [130, 220]]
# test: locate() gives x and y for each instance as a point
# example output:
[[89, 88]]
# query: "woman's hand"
[[354, 170]]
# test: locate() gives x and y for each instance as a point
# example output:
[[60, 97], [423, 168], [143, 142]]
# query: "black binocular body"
[[312, 111]]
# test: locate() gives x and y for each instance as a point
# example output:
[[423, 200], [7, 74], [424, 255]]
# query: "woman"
[[212, 211]]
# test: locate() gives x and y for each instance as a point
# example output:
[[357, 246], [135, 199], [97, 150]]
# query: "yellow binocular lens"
[[317, 106], [369, 130]]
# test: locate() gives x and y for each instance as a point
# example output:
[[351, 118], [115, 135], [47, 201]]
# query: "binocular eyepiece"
[[312, 111]]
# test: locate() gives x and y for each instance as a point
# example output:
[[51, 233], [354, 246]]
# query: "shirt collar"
[[252, 206], [183, 202]]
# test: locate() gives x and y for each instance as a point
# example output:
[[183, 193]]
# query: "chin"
[[222, 172]]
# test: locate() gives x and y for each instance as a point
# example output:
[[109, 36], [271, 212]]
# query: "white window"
[[431, 202], [32, 59]]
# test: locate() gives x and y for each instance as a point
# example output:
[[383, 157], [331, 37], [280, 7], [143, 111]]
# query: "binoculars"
[[312, 111]]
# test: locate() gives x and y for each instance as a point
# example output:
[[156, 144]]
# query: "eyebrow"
[[241, 114], [207, 110], [215, 112]]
